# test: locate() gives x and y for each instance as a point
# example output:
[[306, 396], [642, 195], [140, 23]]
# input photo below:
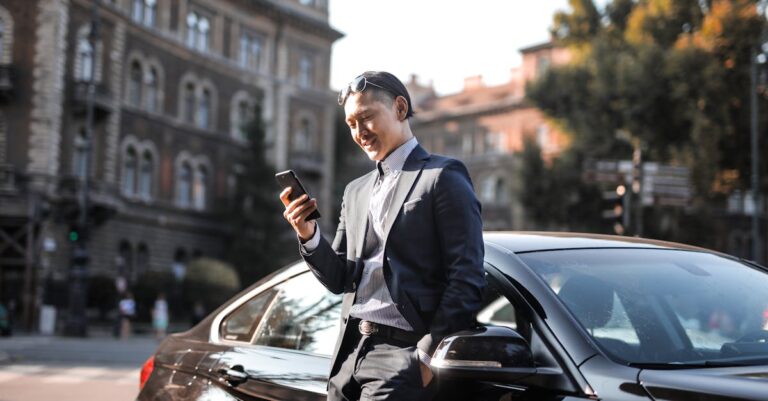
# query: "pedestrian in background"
[[127, 313], [160, 316]]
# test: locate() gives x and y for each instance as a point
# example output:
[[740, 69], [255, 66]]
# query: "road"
[[38, 368]]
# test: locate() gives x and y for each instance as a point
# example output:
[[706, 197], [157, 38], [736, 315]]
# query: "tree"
[[261, 241], [674, 74]]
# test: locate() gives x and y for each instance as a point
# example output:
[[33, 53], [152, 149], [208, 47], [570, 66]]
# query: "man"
[[408, 252]]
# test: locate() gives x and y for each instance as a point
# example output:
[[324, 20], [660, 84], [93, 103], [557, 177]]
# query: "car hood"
[[733, 383]]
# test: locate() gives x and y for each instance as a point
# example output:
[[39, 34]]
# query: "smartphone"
[[289, 179]]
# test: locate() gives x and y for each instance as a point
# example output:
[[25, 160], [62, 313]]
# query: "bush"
[[210, 281]]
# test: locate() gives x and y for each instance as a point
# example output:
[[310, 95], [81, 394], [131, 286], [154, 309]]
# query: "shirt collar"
[[396, 160]]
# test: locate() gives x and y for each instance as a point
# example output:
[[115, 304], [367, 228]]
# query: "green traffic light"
[[74, 236]]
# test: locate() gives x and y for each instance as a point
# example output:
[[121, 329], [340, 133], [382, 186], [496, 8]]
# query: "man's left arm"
[[459, 231]]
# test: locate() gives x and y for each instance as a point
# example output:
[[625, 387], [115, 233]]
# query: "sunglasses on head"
[[356, 86]]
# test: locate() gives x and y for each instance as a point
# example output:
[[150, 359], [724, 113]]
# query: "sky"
[[442, 41]]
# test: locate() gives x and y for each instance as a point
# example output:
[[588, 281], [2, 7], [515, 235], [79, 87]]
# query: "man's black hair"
[[391, 85]]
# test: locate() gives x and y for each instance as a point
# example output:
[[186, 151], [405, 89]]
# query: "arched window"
[[243, 118], [201, 179], [145, 176], [134, 84], [129, 172], [85, 58], [189, 103], [184, 185], [198, 31], [152, 90], [81, 153], [125, 259], [303, 141], [204, 111], [142, 259], [138, 10], [150, 12]]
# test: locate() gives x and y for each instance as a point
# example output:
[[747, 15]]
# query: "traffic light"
[[74, 235], [616, 208]]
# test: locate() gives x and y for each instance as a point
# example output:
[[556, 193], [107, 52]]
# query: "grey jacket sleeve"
[[459, 229]]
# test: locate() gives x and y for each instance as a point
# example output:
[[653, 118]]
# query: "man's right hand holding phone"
[[296, 212]]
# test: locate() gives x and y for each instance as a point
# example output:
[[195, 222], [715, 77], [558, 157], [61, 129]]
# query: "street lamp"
[[76, 323], [758, 58]]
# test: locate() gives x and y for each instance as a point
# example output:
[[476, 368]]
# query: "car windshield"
[[662, 307]]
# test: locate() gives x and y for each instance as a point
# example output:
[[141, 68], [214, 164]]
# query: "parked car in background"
[[567, 317]]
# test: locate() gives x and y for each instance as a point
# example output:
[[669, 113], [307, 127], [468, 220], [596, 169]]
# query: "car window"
[[657, 306], [240, 324], [304, 317], [497, 309]]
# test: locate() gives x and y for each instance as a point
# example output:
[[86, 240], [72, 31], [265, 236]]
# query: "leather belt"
[[371, 329]]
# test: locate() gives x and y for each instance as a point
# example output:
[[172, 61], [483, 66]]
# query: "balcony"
[[6, 81], [102, 99]]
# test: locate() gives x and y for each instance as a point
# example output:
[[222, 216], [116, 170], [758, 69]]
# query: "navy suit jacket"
[[433, 249]]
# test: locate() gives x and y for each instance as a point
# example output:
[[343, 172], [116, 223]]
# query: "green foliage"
[[210, 281], [555, 196], [672, 74], [261, 241]]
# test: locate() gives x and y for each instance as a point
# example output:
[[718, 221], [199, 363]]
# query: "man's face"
[[374, 124]]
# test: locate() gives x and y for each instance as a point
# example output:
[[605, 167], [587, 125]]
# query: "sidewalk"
[[96, 350]]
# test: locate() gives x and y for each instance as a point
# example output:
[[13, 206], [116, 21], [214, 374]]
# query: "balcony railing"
[[6, 81], [102, 99]]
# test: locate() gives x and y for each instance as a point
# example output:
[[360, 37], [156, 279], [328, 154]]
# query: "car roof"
[[531, 241]]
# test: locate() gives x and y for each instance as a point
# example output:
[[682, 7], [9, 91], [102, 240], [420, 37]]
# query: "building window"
[[492, 142], [150, 12], [189, 103], [134, 84], [309, 3], [81, 154], [145, 176], [303, 140], [306, 71], [204, 111], [198, 31], [184, 186], [152, 90], [201, 178], [85, 60], [250, 51], [243, 118], [129, 172], [144, 11]]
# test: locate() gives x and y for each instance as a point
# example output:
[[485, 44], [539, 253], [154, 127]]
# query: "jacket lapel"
[[411, 171]]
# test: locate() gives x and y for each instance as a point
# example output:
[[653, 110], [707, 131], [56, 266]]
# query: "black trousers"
[[380, 369]]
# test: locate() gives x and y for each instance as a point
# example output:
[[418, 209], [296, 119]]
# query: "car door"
[[281, 341]]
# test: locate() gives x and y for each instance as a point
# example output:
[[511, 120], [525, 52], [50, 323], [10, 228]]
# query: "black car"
[[567, 317]]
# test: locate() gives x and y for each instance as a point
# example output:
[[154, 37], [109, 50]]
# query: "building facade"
[[175, 82], [485, 127]]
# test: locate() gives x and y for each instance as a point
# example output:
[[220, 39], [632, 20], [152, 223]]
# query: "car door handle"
[[234, 375]]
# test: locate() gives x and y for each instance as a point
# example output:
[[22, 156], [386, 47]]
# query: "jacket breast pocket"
[[411, 205]]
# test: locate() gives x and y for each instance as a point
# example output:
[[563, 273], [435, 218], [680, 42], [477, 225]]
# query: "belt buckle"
[[367, 328]]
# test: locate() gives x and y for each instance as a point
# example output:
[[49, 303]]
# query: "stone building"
[[175, 80], [485, 126]]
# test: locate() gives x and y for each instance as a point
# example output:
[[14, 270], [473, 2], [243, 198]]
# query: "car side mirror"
[[490, 353]]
